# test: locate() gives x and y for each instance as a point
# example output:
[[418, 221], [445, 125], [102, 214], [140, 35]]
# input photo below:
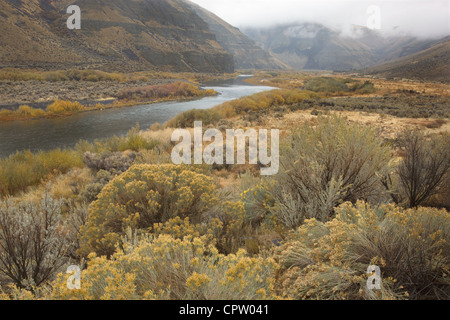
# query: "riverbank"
[[80, 98], [61, 132]]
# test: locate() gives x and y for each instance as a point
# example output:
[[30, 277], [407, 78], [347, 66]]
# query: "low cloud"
[[423, 18]]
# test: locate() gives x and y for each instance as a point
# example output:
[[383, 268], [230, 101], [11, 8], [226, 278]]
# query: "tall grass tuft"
[[24, 169]]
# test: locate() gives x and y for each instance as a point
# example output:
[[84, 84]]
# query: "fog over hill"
[[315, 46], [337, 35], [430, 64]]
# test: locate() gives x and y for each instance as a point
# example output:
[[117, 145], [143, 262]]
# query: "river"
[[47, 134]]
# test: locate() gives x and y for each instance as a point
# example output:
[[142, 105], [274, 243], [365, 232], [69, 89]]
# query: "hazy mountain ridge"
[[247, 55], [314, 46], [432, 64], [116, 34]]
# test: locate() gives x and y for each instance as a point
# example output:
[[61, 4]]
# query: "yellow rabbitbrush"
[[141, 197], [330, 260], [167, 268]]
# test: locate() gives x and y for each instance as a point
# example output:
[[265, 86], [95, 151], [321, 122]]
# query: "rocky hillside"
[[432, 64], [247, 55], [314, 46], [123, 35]]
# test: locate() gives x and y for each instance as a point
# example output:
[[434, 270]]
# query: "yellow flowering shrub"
[[60, 106], [231, 228], [142, 196], [102, 280], [330, 260], [167, 268], [179, 228], [15, 293]]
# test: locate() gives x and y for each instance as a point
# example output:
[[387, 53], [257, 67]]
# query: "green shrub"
[[133, 141], [324, 166], [142, 196], [92, 190], [363, 88], [24, 169], [326, 84], [54, 76], [178, 89], [336, 85], [187, 119], [330, 260]]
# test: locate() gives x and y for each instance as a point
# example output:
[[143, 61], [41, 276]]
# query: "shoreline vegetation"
[[126, 97], [131, 96], [91, 75]]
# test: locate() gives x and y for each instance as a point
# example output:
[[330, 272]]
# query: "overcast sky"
[[418, 17]]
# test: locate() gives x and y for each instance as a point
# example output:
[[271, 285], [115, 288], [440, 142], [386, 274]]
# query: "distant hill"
[[314, 46], [123, 35], [247, 55], [432, 64]]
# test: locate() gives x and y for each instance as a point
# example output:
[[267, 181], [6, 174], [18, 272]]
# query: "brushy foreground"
[[143, 228]]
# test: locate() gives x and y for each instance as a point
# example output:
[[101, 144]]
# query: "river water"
[[47, 134]]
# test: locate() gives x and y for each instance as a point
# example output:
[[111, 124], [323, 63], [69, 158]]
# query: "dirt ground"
[[15, 93]]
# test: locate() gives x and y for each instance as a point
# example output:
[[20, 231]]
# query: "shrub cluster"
[[420, 106], [260, 102], [62, 106], [57, 108], [140, 197], [177, 90], [327, 165], [167, 268], [337, 85], [330, 260], [113, 162], [423, 169], [24, 169], [33, 244]]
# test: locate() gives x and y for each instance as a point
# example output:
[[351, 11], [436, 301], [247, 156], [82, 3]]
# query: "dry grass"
[[163, 136], [292, 80], [66, 186], [387, 126]]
